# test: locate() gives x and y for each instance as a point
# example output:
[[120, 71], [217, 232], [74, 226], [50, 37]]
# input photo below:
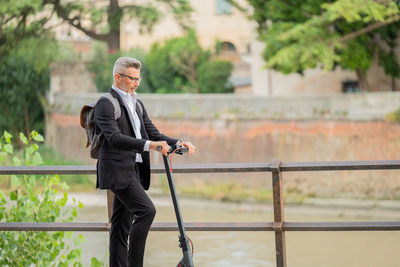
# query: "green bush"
[[24, 81], [213, 77], [181, 65], [173, 65], [162, 76], [76, 182], [34, 199]]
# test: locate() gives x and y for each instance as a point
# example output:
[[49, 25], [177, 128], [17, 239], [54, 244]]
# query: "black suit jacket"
[[118, 145]]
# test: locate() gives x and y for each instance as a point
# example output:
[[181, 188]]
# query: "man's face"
[[128, 80]]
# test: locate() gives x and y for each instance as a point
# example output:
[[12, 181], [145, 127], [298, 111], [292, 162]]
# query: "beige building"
[[213, 20]]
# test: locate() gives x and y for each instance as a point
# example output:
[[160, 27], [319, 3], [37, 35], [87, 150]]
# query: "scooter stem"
[[187, 260]]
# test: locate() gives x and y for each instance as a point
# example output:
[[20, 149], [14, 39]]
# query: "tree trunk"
[[113, 41], [114, 22], [362, 81]]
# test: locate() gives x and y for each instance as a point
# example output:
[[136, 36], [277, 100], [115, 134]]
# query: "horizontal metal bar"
[[177, 168], [41, 226], [212, 226], [60, 169], [215, 226], [217, 168], [340, 165], [99, 227], [341, 226]]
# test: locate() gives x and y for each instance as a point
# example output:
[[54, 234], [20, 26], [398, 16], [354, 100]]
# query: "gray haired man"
[[124, 163]]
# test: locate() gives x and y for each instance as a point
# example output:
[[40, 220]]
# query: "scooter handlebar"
[[178, 149]]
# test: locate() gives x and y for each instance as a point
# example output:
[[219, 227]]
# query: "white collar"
[[123, 94]]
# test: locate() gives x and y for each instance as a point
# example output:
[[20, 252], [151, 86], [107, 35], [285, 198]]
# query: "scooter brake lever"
[[180, 150]]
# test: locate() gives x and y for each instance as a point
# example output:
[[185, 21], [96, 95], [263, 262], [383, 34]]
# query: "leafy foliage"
[[24, 80], [173, 64], [102, 22], [320, 33], [387, 58], [181, 65], [20, 20], [34, 199], [213, 77]]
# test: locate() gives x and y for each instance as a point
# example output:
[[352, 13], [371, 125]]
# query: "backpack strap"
[[140, 104], [117, 107]]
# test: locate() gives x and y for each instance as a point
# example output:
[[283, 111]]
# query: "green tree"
[[24, 81], [181, 65], [34, 199], [20, 20], [301, 34], [102, 21], [213, 77]]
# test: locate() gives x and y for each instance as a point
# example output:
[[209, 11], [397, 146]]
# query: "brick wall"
[[232, 128]]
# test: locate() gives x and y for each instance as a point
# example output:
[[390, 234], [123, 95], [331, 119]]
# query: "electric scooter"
[[184, 241]]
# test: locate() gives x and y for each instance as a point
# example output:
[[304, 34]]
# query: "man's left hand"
[[189, 146]]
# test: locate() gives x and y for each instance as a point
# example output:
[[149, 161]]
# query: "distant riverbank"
[[325, 207]]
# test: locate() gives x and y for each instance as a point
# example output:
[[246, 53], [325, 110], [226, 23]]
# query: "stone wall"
[[71, 77], [236, 128], [348, 107]]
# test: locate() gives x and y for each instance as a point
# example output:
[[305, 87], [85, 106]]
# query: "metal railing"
[[279, 225]]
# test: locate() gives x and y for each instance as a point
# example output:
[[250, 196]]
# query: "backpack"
[[87, 122]]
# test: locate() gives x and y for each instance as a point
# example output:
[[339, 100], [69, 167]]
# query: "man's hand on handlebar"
[[160, 146], [163, 147], [189, 146]]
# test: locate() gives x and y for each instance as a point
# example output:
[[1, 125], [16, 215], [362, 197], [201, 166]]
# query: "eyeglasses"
[[133, 79]]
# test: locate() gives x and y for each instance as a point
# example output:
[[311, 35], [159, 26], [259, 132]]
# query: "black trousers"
[[130, 203]]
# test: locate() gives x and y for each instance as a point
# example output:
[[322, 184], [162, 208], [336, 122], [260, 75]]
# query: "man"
[[124, 163]]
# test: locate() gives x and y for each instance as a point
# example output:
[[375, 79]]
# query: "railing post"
[[277, 188], [110, 200]]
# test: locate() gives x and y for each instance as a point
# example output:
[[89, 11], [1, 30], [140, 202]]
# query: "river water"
[[253, 249]]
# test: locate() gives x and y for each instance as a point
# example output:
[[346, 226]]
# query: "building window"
[[223, 7], [227, 46], [227, 51], [222, 47], [350, 87]]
